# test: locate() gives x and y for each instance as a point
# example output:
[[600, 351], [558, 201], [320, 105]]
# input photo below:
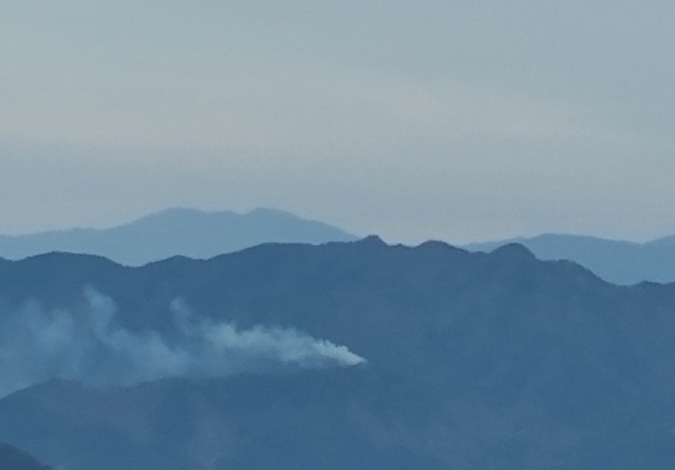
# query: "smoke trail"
[[38, 345]]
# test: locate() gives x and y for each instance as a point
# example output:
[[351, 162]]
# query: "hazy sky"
[[458, 120]]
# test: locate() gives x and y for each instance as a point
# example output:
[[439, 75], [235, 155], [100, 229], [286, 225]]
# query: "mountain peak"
[[514, 251], [615, 261], [177, 231], [371, 240]]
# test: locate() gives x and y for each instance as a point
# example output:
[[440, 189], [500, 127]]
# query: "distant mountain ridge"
[[187, 232], [619, 262]]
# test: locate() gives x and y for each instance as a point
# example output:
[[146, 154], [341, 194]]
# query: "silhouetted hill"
[[619, 262], [12, 458], [474, 361], [186, 232]]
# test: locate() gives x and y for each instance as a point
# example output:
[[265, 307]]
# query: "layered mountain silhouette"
[[186, 232], [12, 458], [619, 262], [474, 361]]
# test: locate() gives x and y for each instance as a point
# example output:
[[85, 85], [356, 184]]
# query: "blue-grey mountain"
[[620, 262], [474, 361], [186, 232]]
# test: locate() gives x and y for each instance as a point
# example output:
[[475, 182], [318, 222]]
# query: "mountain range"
[[187, 232], [202, 235], [620, 262], [342, 355]]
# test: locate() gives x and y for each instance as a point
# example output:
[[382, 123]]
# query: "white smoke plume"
[[38, 345]]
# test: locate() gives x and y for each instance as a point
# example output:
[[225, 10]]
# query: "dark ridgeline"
[[12, 458], [187, 232], [619, 262], [475, 361]]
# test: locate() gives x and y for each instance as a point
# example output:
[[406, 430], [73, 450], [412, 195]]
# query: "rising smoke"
[[38, 345]]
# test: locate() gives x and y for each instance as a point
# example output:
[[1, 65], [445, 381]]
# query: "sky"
[[453, 120]]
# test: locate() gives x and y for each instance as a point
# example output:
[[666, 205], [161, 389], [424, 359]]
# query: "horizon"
[[359, 236]]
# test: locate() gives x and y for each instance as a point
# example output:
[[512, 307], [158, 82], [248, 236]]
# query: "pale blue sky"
[[463, 121]]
